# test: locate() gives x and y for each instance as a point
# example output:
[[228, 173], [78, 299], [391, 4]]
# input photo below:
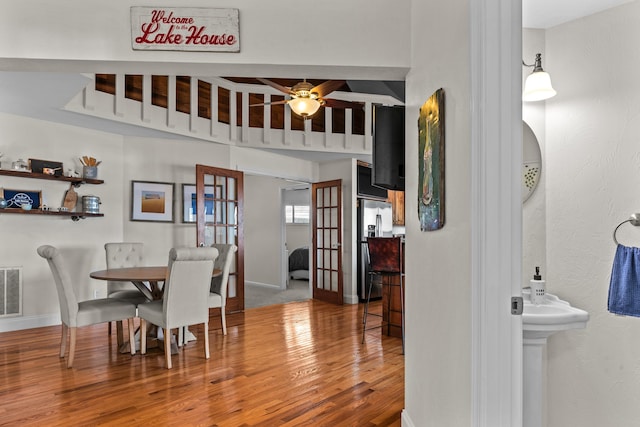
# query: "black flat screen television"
[[388, 147], [365, 188]]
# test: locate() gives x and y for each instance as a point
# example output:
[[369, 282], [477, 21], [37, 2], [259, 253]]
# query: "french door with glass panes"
[[326, 208], [219, 201]]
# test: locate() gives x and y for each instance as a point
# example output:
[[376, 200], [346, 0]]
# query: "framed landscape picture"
[[152, 201]]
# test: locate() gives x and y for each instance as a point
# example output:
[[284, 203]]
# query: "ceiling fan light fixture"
[[304, 106]]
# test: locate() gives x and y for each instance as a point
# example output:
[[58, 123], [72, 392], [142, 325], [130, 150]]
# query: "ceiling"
[[41, 95], [549, 13]]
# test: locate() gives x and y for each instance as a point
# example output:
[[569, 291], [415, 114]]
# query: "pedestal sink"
[[538, 323]]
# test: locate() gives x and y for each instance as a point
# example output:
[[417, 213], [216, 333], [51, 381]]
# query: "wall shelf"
[[75, 216], [75, 181]]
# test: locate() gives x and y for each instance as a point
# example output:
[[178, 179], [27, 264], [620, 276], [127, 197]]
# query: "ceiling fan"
[[306, 99]]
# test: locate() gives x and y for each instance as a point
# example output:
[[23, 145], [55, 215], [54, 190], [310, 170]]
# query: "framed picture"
[[17, 198], [47, 167], [152, 201], [189, 208], [431, 150]]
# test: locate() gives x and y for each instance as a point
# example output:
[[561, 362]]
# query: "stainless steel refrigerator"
[[375, 218]]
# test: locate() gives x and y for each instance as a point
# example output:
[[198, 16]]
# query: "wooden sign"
[[185, 29]]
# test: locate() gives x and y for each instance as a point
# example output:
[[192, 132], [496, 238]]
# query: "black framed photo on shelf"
[[47, 167]]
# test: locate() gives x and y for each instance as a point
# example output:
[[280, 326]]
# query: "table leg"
[[145, 290]]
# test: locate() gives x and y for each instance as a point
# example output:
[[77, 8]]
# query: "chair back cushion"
[[66, 294], [123, 255], [385, 254], [223, 262], [186, 291]]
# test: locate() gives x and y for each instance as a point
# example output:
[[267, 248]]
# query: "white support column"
[[328, 126], [245, 116], [233, 116], [368, 129], [193, 104], [147, 97], [118, 99], [88, 97], [496, 211], [171, 102], [213, 108], [287, 123], [266, 127], [348, 128], [308, 137]]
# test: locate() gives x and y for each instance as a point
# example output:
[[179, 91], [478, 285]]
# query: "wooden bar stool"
[[385, 260]]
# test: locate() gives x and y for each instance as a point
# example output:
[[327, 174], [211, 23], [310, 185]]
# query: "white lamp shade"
[[538, 87], [304, 106]]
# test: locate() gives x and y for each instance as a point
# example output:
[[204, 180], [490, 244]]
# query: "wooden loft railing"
[[160, 88], [217, 109]]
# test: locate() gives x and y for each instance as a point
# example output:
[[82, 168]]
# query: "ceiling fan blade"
[[269, 103], [275, 85], [338, 103], [327, 87]]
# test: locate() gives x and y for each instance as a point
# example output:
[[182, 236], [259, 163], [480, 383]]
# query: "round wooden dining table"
[[140, 277], [147, 280]]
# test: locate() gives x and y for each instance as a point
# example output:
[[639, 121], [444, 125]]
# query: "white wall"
[[271, 164], [150, 159], [366, 36], [438, 391], [263, 230], [534, 209], [297, 235], [21, 234], [592, 160]]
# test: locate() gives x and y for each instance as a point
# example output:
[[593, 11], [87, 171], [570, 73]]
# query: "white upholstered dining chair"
[[123, 255], [219, 285], [75, 314], [185, 296]]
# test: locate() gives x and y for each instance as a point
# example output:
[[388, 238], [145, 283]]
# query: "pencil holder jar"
[[90, 172]]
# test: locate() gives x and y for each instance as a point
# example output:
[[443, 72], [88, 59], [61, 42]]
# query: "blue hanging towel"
[[624, 288]]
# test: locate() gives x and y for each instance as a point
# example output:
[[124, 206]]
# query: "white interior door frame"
[[284, 262], [496, 129], [285, 251]]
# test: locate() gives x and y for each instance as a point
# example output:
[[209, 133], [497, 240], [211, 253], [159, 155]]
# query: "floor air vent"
[[10, 291]]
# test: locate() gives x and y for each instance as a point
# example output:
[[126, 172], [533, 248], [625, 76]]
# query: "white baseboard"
[[350, 299], [28, 322], [265, 285], [405, 420]]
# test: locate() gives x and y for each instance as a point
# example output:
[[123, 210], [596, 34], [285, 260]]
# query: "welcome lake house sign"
[[185, 29]]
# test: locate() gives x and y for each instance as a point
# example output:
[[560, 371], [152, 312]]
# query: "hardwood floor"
[[296, 364]]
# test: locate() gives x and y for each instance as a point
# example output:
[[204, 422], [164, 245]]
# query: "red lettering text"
[[149, 35], [159, 16], [196, 36]]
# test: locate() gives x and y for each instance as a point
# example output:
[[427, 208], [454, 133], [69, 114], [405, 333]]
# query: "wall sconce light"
[[537, 87]]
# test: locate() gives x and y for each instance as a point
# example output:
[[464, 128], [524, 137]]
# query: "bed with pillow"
[[299, 264]]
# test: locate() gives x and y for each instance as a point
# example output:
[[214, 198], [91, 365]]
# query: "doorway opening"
[[271, 235]]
